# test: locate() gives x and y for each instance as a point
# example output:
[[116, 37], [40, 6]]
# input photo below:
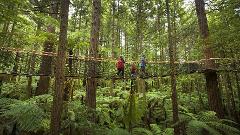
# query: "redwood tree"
[[46, 64], [214, 97], [60, 64], [92, 66], [172, 56]]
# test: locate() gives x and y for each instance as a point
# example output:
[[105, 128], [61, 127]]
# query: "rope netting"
[[105, 66]]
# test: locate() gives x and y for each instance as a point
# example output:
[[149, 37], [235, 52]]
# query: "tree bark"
[[45, 69], [31, 66], [126, 45], [46, 64], [113, 28], [60, 76], [159, 30], [238, 87], [214, 96], [92, 66], [139, 27], [173, 72], [16, 61], [230, 95]]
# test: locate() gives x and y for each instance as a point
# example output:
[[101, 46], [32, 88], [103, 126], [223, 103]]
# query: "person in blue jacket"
[[143, 64]]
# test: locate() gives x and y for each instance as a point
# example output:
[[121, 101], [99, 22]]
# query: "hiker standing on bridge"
[[143, 64], [133, 70], [120, 66]]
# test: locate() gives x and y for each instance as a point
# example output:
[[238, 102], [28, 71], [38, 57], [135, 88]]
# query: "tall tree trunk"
[[113, 28], [139, 27], [214, 96], [59, 76], [5, 27], [31, 66], [16, 62], [92, 66], [45, 69], [80, 20], [10, 35], [173, 72], [126, 45], [46, 64], [237, 77], [231, 97], [159, 30], [5, 31], [238, 87]]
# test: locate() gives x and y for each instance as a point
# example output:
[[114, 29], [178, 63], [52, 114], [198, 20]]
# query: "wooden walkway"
[[155, 69]]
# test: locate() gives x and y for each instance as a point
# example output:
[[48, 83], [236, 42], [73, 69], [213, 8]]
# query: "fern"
[[168, 131], [228, 130], [156, 130], [118, 131], [28, 116], [207, 116], [14, 90], [5, 102], [141, 131], [229, 122], [200, 128], [208, 122]]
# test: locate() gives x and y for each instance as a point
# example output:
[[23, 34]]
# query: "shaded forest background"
[[58, 74]]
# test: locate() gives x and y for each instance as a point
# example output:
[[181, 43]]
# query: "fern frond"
[[228, 130], [168, 131], [118, 131], [207, 116], [141, 131], [28, 116], [195, 127], [5, 102], [156, 130], [230, 122]]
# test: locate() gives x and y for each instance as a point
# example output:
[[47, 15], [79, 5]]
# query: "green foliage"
[[5, 102], [156, 130], [118, 131], [207, 122], [168, 131], [136, 27], [27, 115], [141, 131], [226, 129], [75, 118], [200, 128], [14, 90]]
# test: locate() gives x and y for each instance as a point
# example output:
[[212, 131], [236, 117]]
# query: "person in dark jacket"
[[143, 64], [133, 70]]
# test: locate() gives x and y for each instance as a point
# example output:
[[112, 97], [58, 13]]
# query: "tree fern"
[[207, 116], [229, 122], [118, 131], [168, 131], [28, 116], [5, 102], [203, 122], [228, 130], [200, 128], [141, 131], [156, 130]]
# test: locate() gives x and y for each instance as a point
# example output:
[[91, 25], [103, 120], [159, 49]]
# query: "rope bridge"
[[106, 66]]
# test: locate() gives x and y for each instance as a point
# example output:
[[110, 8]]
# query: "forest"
[[119, 67]]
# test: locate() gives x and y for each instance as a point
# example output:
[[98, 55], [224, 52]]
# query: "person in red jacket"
[[120, 66]]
